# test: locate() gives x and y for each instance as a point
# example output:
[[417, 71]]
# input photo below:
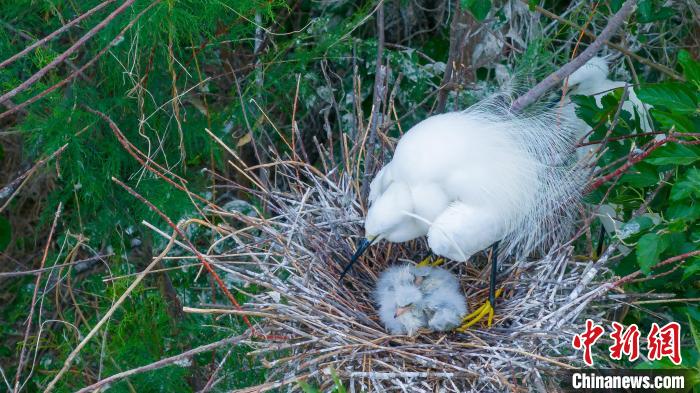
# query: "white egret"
[[592, 80], [468, 180]]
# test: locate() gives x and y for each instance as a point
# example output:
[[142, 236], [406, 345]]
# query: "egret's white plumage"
[[592, 80], [411, 298], [468, 179]]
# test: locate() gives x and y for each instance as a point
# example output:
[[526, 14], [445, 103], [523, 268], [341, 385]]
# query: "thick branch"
[[558, 76], [379, 83]]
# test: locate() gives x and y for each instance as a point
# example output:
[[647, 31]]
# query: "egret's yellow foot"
[[478, 314], [428, 261]]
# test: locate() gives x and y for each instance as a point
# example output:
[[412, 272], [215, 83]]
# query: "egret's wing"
[[462, 230]]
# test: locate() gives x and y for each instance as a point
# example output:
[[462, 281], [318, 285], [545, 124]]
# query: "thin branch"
[[63, 56], [69, 360], [75, 74], [30, 38], [37, 285], [161, 363], [663, 263], [49, 37], [380, 75], [630, 162], [556, 77], [10, 190], [658, 67]]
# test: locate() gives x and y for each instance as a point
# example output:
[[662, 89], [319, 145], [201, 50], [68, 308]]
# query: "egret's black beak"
[[361, 248]]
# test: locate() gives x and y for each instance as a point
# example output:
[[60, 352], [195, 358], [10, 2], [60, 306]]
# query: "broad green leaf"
[[680, 123], [649, 249], [677, 97], [630, 229], [478, 8], [646, 12], [339, 388], [5, 233], [691, 68], [641, 175], [691, 270], [695, 333], [683, 211], [674, 154], [688, 186]]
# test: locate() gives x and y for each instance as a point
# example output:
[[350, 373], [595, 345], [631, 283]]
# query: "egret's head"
[[390, 218], [388, 213]]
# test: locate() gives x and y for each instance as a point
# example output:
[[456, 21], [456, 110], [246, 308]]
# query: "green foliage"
[[172, 75], [670, 223], [478, 8]]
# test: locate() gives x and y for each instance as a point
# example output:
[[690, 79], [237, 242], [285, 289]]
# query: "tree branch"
[[52, 35], [658, 67], [161, 363], [379, 83], [63, 56], [556, 77]]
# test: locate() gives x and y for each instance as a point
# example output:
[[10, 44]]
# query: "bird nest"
[[294, 257]]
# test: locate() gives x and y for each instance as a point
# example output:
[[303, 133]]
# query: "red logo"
[[625, 341], [586, 339], [661, 341], [665, 342]]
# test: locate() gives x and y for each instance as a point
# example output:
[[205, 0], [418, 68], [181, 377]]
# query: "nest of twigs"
[[295, 257]]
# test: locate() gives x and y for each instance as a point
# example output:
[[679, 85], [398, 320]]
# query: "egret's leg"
[[601, 242], [428, 261], [488, 308]]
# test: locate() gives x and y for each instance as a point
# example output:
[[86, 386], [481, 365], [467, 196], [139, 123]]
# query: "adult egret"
[[592, 80], [468, 180]]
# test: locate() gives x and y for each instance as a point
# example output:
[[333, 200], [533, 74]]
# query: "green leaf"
[[649, 249], [646, 12], [688, 186], [478, 8], [683, 212], [339, 388], [694, 333], [691, 68], [674, 154], [678, 122], [641, 175], [677, 97], [307, 388], [5, 233]]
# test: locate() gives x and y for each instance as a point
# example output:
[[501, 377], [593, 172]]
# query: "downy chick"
[[443, 302], [400, 300]]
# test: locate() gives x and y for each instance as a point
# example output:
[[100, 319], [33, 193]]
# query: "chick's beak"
[[401, 310]]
